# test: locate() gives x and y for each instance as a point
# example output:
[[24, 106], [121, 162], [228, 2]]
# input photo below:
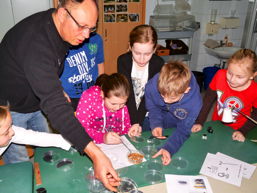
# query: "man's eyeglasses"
[[93, 29]]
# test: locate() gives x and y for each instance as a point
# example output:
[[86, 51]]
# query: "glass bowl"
[[95, 186], [155, 164], [138, 139], [149, 150], [64, 164], [179, 163], [153, 141], [153, 176], [135, 157], [51, 157], [127, 185]]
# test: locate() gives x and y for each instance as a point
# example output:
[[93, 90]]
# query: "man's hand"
[[196, 128], [102, 167], [165, 156], [157, 132]]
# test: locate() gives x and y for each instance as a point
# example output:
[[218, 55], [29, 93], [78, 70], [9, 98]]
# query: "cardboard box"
[[163, 52]]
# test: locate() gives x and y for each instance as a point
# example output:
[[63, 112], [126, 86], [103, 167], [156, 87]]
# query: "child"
[[233, 87], [82, 66], [139, 65], [173, 100], [13, 134], [102, 110]]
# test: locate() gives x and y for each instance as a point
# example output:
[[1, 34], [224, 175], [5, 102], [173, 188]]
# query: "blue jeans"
[[35, 121]]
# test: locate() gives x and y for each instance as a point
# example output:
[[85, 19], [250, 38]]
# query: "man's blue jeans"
[[35, 121]]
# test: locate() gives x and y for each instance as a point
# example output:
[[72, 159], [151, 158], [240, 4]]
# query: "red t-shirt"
[[226, 97]]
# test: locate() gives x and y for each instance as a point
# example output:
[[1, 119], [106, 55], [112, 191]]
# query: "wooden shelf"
[[183, 57]]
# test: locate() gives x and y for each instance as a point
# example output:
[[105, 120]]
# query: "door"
[[116, 19]]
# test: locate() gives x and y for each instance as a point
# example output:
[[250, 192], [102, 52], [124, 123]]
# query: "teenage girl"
[[235, 88], [139, 65], [102, 110]]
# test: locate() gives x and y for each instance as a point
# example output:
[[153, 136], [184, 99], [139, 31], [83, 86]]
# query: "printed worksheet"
[[187, 184], [248, 169], [118, 154], [222, 169]]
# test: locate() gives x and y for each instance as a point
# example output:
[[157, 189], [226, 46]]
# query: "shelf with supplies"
[[177, 35]]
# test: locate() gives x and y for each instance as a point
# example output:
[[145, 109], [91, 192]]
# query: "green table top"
[[193, 152], [16, 178]]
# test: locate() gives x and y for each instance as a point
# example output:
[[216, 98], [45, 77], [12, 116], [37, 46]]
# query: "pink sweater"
[[91, 115]]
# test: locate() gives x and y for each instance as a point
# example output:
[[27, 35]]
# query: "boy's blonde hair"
[[244, 54], [4, 111], [174, 78]]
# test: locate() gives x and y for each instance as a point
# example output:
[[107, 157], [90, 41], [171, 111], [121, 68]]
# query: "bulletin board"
[[119, 11]]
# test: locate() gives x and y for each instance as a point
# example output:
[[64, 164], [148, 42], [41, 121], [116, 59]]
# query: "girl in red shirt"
[[233, 88]]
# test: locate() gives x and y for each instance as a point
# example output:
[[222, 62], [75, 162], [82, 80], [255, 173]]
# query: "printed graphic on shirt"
[[229, 102], [112, 123], [139, 89], [83, 65], [92, 48], [180, 113]]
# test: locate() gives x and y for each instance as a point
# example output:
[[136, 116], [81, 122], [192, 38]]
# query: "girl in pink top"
[[102, 110]]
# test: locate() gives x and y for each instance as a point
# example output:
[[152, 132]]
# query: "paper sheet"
[[223, 169], [118, 153], [248, 169], [187, 184]]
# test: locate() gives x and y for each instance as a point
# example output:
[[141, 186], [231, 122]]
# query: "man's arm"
[[102, 167]]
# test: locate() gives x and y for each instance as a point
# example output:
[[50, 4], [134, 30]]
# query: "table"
[[194, 151], [247, 186], [16, 178]]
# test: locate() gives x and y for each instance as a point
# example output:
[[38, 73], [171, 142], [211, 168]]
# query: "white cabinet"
[[13, 11]]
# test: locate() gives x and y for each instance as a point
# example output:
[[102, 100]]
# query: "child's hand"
[[196, 128], [238, 136], [157, 132], [112, 138], [135, 130], [165, 156]]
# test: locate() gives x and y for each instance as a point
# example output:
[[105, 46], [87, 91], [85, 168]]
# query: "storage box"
[[172, 22], [163, 52]]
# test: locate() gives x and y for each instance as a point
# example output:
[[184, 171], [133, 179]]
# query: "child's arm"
[[179, 135], [239, 135], [41, 139], [84, 113], [166, 158], [155, 113]]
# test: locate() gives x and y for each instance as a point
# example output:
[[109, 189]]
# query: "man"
[[32, 55]]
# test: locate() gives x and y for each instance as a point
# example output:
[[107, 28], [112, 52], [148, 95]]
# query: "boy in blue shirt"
[[82, 66], [173, 100]]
